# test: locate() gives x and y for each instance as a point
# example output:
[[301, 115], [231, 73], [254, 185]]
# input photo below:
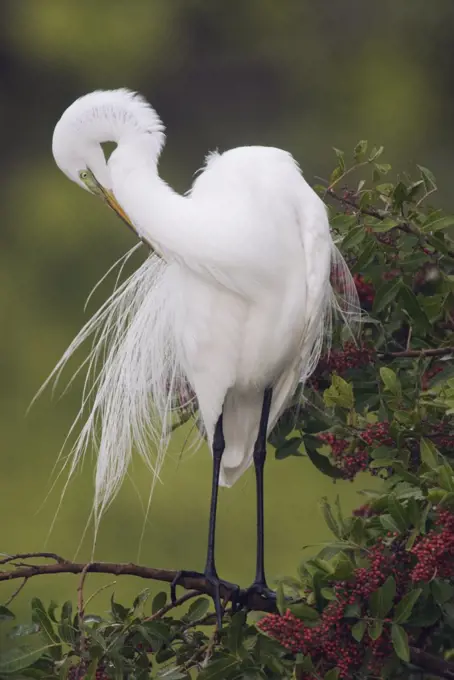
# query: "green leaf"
[[389, 524], [442, 591], [413, 308], [18, 658], [340, 158], [159, 601], [281, 600], [340, 393], [375, 629], [384, 225], [376, 152], [390, 380], [360, 150], [219, 669], [290, 447], [438, 224], [398, 513], [235, 631], [358, 630], [381, 600], [385, 295], [332, 674], [354, 237], [173, 673], [6, 614], [320, 461], [119, 612], [198, 608], [399, 639], [329, 518], [304, 612], [428, 178], [40, 616], [402, 611], [429, 453]]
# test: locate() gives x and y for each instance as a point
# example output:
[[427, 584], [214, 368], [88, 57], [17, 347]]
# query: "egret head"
[[98, 117]]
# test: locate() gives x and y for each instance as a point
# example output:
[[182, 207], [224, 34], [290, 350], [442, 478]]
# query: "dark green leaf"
[[159, 601], [332, 674], [381, 600], [6, 614], [281, 600], [386, 294], [402, 611], [400, 642], [413, 308], [16, 659], [375, 629], [429, 454], [198, 608], [304, 612], [235, 632], [358, 630], [360, 150], [219, 669], [320, 461], [442, 591]]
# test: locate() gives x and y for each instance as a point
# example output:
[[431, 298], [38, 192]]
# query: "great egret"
[[236, 305]]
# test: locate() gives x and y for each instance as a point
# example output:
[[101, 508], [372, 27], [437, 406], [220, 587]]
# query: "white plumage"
[[240, 300]]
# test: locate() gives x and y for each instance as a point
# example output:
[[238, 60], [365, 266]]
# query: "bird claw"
[[257, 588], [215, 583]]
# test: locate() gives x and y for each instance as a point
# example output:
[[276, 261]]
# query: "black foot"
[[216, 583], [257, 588]]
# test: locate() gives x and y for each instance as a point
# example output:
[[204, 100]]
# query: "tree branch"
[[415, 353], [62, 566]]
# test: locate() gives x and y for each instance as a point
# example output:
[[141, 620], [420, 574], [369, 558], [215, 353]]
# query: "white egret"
[[237, 304]]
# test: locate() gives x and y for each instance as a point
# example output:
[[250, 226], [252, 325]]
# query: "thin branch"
[[27, 556], [415, 353], [16, 592], [181, 600]]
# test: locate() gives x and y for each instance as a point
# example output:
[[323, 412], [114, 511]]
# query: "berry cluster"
[[366, 291], [435, 551], [348, 459], [444, 436], [80, 671], [350, 356], [351, 457], [428, 375], [330, 641]]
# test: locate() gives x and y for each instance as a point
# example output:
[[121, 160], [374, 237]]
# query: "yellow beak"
[[112, 202]]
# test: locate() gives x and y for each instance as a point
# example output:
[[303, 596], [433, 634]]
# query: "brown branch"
[[415, 353], [16, 592], [432, 664], [63, 566]]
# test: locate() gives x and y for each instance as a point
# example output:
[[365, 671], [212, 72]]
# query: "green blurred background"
[[297, 74]]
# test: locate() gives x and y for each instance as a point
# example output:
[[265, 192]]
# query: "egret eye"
[[84, 175]]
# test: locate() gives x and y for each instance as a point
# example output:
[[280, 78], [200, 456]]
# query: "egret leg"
[[210, 573], [260, 585]]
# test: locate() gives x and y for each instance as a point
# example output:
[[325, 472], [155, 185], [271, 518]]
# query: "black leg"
[[260, 585], [259, 464], [218, 450], [210, 572]]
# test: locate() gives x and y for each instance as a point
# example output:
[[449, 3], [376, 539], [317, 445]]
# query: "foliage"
[[379, 599]]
